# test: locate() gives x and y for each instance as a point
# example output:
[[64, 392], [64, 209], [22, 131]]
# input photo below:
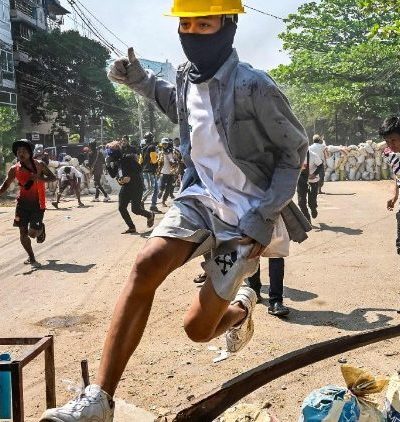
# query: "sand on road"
[[344, 279]]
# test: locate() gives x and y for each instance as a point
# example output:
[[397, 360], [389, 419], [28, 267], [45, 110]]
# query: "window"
[[8, 98], [5, 12], [25, 32], [7, 65]]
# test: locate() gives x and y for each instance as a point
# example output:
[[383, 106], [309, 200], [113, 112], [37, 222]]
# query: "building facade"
[[8, 95], [27, 17]]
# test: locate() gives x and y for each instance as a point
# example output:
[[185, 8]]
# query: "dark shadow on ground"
[[298, 295], [339, 194], [338, 229], [354, 321], [293, 294], [59, 209], [53, 265]]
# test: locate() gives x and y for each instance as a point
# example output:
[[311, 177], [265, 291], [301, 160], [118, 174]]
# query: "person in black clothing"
[[308, 184], [122, 164], [96, 165], [150, 167], [276, 277]]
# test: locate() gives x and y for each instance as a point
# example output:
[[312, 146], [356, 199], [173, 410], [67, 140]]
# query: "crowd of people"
[[241, 156]]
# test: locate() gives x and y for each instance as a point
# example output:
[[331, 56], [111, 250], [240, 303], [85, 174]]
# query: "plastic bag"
[[351, 404], [392, 403], [280, 242]]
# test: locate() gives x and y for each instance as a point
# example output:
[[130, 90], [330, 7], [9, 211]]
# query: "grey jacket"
[[261, 135]]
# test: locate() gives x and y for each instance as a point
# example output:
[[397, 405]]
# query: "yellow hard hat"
[[196, 8]]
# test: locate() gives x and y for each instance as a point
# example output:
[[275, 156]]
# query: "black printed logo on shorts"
[[225, 262]]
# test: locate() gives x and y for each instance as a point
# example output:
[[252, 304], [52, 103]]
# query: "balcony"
[[55, 9], [27, 12]]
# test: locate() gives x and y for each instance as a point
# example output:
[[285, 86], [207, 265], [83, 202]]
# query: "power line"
[[264, 13], [104, 26], [70, 91], [93, 29]]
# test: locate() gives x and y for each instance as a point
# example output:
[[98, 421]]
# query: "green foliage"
[[66, 81], [141, 113], [337, 70], [377, 7], [9, 120], [74, 138]]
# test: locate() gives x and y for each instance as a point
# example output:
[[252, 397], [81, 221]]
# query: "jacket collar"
[[225, 71]]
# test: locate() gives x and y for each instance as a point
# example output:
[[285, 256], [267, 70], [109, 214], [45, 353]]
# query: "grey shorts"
[[225, 261]]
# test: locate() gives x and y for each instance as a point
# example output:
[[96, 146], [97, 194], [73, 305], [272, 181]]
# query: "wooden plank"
[[50, 374], [85, 373], [35, 351], [207, 408], [19, 341], [17, 392]]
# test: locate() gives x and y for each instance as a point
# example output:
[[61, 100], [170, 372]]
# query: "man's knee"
[[23, 233], [197, 330], [149, 271]]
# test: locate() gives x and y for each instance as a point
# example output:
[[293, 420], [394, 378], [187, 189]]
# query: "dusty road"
[[344, 279]]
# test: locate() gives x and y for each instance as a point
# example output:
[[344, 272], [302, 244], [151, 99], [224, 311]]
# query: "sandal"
[[201, 278]]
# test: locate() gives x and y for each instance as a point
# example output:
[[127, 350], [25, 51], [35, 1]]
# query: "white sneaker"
[[106, 199], [237, 337], [96, 200], [93, 405]]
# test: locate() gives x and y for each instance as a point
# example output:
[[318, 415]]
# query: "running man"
[[31, 175], [69, 177], [97, 164], [243, 148]]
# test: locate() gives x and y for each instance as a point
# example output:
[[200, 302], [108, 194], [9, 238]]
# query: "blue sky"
[[140, 23]]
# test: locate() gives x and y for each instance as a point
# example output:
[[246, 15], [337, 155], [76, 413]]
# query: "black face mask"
[[208, 52]]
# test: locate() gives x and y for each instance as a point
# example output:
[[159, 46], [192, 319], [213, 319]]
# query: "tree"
[[65, 81], [338, 73], [376, 7], [9, 120], [139, 114]]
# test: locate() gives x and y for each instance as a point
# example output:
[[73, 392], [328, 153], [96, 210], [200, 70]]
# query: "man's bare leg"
[[159, 258], [26, 243], [209, 316]]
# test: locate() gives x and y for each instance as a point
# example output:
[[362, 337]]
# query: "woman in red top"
[[31, 200]]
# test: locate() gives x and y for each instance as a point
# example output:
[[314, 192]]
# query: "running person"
[[69, 177], [123, 165], [31, 175], [243, 154], [97, 164]]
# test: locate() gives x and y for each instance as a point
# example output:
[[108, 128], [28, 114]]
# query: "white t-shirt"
[[64, 176], [318, 149], [315, 161], [167, 165], [225, 188]]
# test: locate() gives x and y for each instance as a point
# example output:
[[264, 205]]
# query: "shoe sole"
[[279, 314]]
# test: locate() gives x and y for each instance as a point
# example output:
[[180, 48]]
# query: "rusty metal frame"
[[209, 407], [15, 367]]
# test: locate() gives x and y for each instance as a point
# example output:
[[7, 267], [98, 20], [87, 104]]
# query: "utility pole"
[[101, 129], [337, 127], [140, 119]]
